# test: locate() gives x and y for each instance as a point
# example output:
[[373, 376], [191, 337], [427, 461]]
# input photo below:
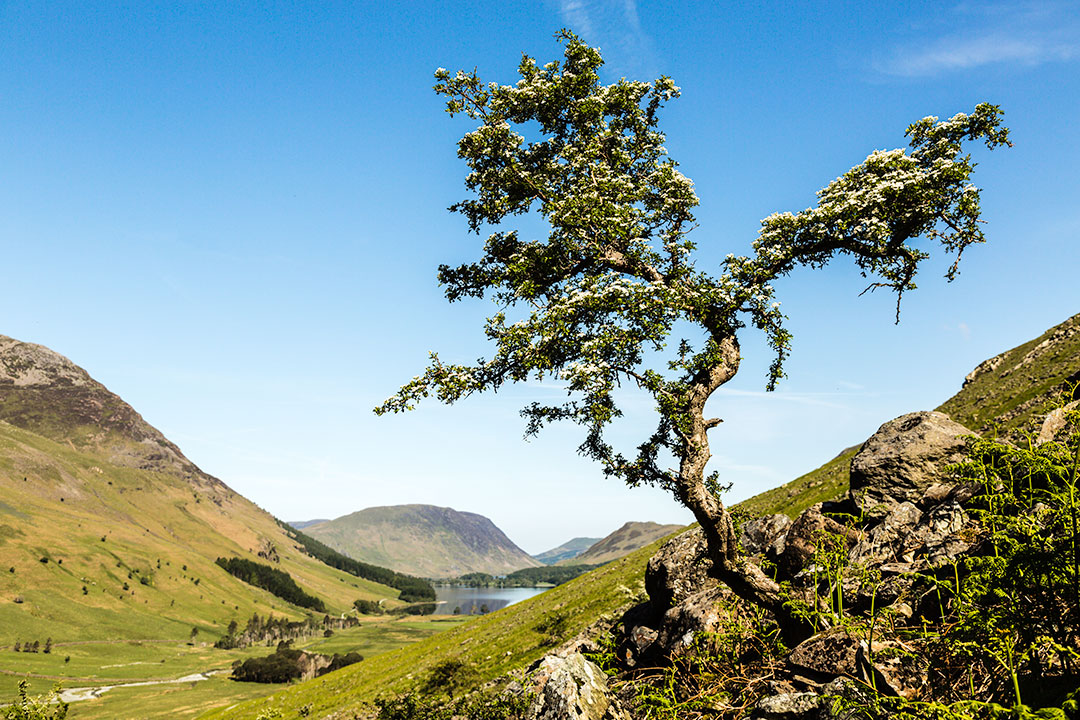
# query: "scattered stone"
[[637, 644], [887, 541], [1054, 422], [893, 669], [904, 458], [831, 654], [697, 614]]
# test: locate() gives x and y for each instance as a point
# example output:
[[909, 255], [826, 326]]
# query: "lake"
[[470, 600]]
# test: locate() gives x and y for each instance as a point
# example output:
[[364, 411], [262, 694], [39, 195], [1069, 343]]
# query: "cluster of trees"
[[271, 629], [33, 647], [526, 577], [413, 589], [368, 607], [275, 581], [288, 663]]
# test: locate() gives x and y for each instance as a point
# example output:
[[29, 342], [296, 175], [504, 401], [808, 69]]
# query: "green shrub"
[[39, 707]]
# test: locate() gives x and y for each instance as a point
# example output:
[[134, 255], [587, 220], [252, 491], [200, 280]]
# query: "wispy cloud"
[[615, 26], [1030, 34]]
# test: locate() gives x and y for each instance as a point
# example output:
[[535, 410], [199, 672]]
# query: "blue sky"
[[231, 215]]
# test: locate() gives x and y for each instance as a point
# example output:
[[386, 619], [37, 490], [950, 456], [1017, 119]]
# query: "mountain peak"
[[44, 392], [25, 364]]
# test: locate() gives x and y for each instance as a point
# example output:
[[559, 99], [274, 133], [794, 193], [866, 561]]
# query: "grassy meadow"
[[94, 664]]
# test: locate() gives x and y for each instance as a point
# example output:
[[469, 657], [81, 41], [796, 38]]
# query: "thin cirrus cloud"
[[1026, 34], [953, 53]]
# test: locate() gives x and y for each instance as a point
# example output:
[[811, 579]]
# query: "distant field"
[[93, 664]]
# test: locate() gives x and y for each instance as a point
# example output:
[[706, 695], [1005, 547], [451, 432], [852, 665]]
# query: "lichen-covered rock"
[[904, 458], [895, 668], [888, 540], [908, 535], [571, 688], [699, 613], [803, 536], [759, 534], [680, 568], [829, 654], [788, 706]]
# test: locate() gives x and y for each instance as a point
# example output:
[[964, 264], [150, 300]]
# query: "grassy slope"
[[1008, 399], [1016, 391], [423, 540], [59, 502], [626, 539], [376, 635], [493, 644]]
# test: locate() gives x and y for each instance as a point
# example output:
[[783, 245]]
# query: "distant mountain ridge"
[[424, 540], [625, 540], [569, 549], [301, 524]]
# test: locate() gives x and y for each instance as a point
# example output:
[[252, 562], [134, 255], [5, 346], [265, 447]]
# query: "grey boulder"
[[904, 458]]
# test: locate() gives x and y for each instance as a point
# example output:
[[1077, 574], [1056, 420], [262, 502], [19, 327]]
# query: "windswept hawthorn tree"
[[603, 293]]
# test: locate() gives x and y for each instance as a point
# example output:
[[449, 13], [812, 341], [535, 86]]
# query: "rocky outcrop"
[[679, 569], [570, 688], [795, 547], [760, 535], [919, 524], [904, 458]]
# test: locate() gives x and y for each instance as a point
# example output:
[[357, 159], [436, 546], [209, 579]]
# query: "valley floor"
[[169, 678]]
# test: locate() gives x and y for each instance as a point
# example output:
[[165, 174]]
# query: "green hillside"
[[626, 539], [109, 539], [569, 549], [1004, 394], [92, 551], [424, 540]]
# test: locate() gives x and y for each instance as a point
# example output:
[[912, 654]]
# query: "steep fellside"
[[424, 540], [625, 540], [108, 532], [1009, 392], [569, 549], [47, 394]]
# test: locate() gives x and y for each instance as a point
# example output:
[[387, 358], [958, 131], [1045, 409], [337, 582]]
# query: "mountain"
[[108, 531], [301, 524], [1009, 392], [424, 540], [625, 540], [569, 549]]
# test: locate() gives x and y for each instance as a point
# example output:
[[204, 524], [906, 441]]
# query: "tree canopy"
[[614, 282]]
